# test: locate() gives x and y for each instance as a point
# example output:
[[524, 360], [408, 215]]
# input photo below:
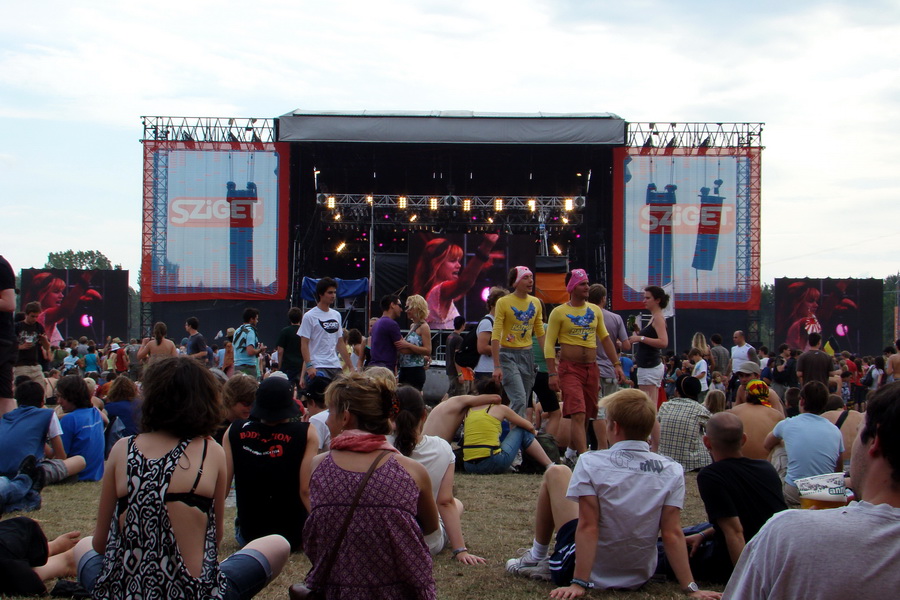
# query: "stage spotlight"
[[330, 203], [498, 204], [841, 330], [466, 205], [485, 293], [340, 247], [490, 219], [532, 205], [86, 320], [369, 200], [433, 203], [337, 216], [413, 217], [567, 204], [565, 219], [557, 249], [401, 202], [579, 202]]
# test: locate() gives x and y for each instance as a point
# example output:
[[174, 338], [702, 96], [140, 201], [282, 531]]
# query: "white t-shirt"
[[740, 355], [701, 367], [485, 361], [632, 485], [55, 429], [318, 421], [323, 330]]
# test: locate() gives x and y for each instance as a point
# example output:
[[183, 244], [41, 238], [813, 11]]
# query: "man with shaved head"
[[739, 493]]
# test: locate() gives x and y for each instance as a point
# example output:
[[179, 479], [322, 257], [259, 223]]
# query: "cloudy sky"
[[75, 79]]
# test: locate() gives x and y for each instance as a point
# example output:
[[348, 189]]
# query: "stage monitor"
[[215, 221], [454, 272], [688, 217], [846, 312], [77, 303]]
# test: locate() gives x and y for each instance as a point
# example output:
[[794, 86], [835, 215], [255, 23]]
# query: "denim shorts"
[[247, 572]]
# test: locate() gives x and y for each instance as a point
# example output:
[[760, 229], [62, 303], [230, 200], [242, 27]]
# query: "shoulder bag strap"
[[329, 562]]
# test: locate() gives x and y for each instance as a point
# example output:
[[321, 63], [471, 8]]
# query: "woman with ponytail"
[[436, 455], [158, 346], [384, 553]]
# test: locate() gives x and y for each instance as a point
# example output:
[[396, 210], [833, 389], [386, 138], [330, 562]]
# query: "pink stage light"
[[484, 293], [842, 330], [86, 320]]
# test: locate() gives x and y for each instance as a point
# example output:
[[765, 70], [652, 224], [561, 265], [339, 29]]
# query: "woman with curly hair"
[[161, 510], [415, 358]]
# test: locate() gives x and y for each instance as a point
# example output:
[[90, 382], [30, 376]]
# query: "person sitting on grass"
[[27, 559], [436, 455], [483, 452], [122, 402], [82, 426], [161, 512], [609, 511], [32, 430], [444, 419]]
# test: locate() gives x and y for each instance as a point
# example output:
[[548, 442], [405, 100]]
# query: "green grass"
[[498, 520]]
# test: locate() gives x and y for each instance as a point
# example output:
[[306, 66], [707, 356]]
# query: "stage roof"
[[451, 127]]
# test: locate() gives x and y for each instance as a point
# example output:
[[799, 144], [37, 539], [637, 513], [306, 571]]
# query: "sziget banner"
[[216, 218]]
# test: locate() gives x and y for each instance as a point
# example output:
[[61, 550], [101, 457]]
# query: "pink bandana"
[[520, 273], [578, 275], [356, 440]]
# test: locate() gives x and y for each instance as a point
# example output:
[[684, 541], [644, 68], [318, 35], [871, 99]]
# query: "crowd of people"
[[327, 447]]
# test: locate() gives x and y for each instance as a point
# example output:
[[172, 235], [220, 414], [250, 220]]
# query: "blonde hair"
[[382, 374], [240, 388], [373, 401], [715, 401], [417, 303], [633, 411]]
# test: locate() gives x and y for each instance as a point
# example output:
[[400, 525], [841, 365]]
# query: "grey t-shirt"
[[779, 561]]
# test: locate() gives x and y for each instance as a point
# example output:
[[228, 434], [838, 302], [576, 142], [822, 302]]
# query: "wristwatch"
[[588, 585], [691, 588]]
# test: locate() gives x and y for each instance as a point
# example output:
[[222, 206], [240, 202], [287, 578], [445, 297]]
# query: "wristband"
[[585, 584], [618, 363], [309, 365], [459, 551]]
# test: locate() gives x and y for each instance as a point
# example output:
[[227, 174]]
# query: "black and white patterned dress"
[[142, 557]]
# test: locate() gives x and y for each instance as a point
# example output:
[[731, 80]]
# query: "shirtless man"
[[445, 418], [578, 325], [892, 364], [759, 420], [746, 373]]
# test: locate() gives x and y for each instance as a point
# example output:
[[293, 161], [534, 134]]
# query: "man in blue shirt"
[[812, 442], [247, 346]]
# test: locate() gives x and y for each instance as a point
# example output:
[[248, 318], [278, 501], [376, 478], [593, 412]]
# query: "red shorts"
[[580, 384]]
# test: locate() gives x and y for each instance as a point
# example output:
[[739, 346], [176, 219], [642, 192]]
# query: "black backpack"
[[467, 353]]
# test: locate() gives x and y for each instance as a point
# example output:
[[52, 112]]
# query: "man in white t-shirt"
[[321, 336], [625, 496], [485, 367], [317, 413]]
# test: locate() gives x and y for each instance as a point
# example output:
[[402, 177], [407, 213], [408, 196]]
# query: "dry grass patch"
[[497, 522]]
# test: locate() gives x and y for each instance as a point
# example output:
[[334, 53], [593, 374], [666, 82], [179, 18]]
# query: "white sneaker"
[[526, 566]]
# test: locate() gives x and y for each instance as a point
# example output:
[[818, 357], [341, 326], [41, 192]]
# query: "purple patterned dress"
[[383, 555]]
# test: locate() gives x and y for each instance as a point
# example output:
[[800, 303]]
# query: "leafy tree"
[[81, 259], [767, 315], [891, 301]]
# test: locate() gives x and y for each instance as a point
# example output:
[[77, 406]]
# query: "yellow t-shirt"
[[576, 326], [483, 430], [514, 320]]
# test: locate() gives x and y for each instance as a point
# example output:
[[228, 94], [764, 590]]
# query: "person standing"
[[721, 359], [416, 357], [516, 316], [33, 345], [815, 365], [651, 339], [579, 326], [321, 337], [456, 386], [196, 343], [484, 330], [384, 336], [8, 348], [290, 356], [247, 346]]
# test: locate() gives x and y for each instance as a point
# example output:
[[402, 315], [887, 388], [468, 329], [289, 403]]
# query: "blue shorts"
[[247, 571], [562, 561]]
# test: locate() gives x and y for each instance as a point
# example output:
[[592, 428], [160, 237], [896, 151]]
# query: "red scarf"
[[356, 440]]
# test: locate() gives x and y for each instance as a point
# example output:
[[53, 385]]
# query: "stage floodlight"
[[433, 204], [567, 204], [401, 202], [498, 204], [369, 200], [532, 205], [330, 203], [565, 219], [337, 216], [466, 205], [340, 247], [413, 217], [557, 249]]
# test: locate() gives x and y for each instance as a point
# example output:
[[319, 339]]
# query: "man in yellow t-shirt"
[[578, 326], [515, 317]]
